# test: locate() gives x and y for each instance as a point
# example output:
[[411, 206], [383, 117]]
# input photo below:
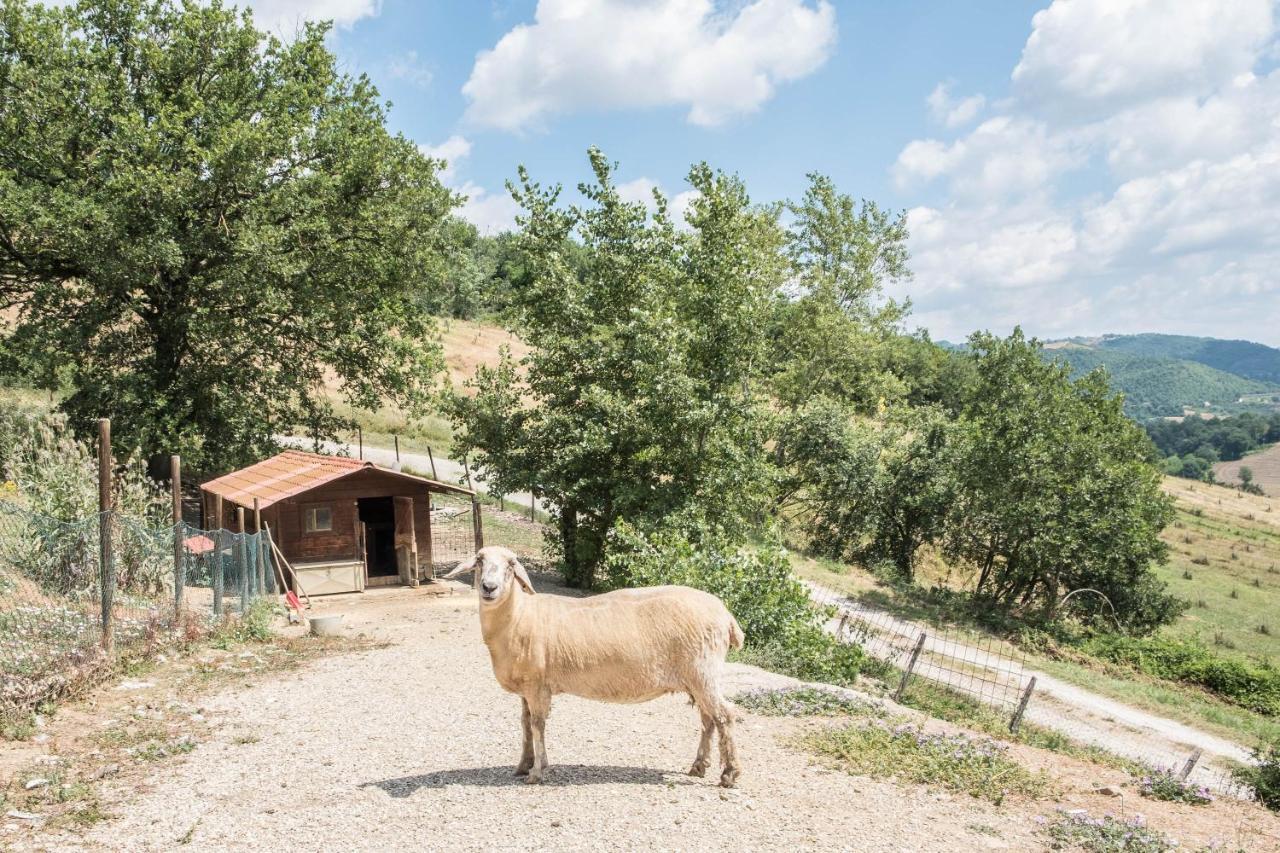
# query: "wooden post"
[[477, 528], [396, 439], [179, 561], [432, 457], [242, 557], [1022, 706], [1189, 765], [360, 438], [260, 579], [217, 555], [466, 467], [911, 665], [844, 620], [106, 565]]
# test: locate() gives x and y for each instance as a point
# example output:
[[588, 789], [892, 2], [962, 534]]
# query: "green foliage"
[[869, 491], [1243, 358], [637, 401], [1053, 492], [783, 628], [1250, 685], [973, 766], [1192, 445], [202, 224], [802, 702], [1263, 775], [1076, 830]]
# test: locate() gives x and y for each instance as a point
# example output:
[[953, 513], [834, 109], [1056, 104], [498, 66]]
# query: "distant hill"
[[1162, 374], [1243, 358]]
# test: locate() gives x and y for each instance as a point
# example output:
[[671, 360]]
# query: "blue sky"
[[1075, 166]]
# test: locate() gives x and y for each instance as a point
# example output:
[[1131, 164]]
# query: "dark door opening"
[[379, 518]]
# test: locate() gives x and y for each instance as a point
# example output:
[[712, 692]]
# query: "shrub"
[[1250, 685], [1166, 785], [1263, 775], [1076, 830], [975, 766], [783, 628]]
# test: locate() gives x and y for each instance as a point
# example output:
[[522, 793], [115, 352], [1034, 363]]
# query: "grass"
[[906, 753]]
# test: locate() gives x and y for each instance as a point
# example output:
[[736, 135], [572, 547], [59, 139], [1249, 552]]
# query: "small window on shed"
[[319, 519]]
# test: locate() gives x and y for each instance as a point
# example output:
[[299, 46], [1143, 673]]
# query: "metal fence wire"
[[453, 531], [61, 624], [995, 674]]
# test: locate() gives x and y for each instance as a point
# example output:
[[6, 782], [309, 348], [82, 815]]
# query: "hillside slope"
[[1243, 358], [1157, 385]]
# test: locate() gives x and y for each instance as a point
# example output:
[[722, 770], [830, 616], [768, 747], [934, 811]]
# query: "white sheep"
[[630, 645]]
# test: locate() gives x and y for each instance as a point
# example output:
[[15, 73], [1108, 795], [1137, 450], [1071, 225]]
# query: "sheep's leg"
[[700, 761], [526, 750], [729, 767], [539, 708]]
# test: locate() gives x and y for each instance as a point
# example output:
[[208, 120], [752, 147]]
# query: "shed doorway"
[[378, 516]]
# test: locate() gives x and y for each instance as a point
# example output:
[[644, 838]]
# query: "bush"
[[1166, 785], [1076, 830], [1263, 775], [783, 628], [1250, 685]]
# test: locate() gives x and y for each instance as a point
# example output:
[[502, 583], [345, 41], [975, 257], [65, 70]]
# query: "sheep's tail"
[[735, 633]]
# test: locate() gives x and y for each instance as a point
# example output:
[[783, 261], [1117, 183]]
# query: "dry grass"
[[1265, 465]]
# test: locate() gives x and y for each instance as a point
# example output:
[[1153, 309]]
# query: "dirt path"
[[411, 746], [1059, 705]]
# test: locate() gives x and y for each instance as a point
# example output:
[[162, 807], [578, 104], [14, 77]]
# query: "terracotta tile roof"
[[282, 476], [293, 472]]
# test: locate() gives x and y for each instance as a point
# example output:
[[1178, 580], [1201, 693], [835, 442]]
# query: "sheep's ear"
[[461, 568], [522, 577]]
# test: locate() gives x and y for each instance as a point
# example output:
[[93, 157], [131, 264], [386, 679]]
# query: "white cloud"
[[1131, 183], [285, 17], [408, 67], [452, 150], [1091, 55], [619, 54], [951, 112]]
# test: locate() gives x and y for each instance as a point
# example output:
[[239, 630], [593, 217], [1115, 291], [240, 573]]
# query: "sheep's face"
[[499, 571]]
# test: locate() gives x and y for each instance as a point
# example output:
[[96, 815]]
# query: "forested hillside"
[[1156, 383], [1243, 358]]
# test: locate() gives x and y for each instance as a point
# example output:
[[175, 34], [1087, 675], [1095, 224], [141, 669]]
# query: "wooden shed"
[[342, 524]]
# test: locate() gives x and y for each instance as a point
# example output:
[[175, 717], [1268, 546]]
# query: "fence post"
[[1022, 706], [911, 665], [260, 578], [533, 505], [360, 438], [477, 528], [844, 620], [217, 555], [431, 457], [1189, 765], [106, 565], [179, 562], [242, 557]]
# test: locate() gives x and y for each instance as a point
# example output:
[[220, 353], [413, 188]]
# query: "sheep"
[[630, 645]]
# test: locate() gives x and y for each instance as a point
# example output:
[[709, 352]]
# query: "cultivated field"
[[1265, 465]]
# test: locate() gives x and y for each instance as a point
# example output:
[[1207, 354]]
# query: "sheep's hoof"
[[698, 769], [522, 770], [533, 778], [729, 778]]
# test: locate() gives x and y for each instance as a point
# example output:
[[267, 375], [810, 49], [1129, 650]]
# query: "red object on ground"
[[291, 598]]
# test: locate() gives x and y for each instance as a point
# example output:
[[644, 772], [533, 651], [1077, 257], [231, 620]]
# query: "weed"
[[1264, 630], [1235, 593], [1257, 582], [978, 767], [244, 740], [802, 702], [1076, 830], [1200, 560], [1186, 574], [1263, 775]]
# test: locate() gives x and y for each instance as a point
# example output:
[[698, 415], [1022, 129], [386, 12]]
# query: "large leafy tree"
[[200, 226], [1054, 490], [640, 397]]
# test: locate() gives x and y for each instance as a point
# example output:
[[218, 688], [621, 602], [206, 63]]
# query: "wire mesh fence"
[[453, 531], [994, 673], [64, 620]]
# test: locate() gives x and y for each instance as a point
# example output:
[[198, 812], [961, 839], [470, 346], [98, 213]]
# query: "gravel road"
[[411, 746]]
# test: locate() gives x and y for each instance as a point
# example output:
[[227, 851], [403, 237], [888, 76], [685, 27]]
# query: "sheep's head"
[[498, 567]]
